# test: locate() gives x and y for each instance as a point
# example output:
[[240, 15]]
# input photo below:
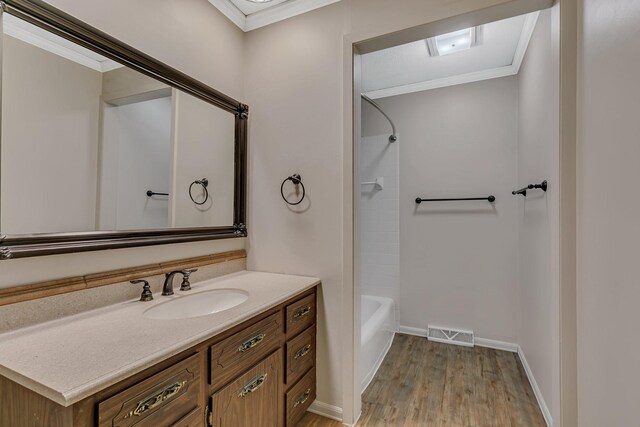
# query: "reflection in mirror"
[[88, 144]]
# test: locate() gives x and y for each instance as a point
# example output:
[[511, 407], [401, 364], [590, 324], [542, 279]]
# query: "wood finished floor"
[[422, 383]]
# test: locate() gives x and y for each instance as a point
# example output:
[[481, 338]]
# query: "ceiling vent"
[[456, 41]]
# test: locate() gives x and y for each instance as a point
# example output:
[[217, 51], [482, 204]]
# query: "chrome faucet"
[[167, 288]]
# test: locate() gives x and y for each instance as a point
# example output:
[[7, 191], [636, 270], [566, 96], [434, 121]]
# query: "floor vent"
[[450, 336]]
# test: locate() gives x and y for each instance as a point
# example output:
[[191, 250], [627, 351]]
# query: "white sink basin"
[[197, 304]]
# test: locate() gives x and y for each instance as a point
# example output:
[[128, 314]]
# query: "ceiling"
[[249, 15], [248, 7], [409, 68]]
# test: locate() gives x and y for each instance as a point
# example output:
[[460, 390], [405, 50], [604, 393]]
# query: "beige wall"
[[538, 213], [459, 141], [191, 36], [49, 142], [296, 87], [203, 148], [608, 214]]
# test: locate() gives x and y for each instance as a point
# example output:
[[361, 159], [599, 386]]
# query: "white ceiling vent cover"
[[450, 336]]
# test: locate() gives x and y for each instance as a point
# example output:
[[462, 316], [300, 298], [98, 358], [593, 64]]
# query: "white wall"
[[379, 218], [192, 37], [135, 157], [608, 214], [538, 213], [458, 260], [49, 142]]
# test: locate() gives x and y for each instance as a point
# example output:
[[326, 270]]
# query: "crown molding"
[[492, 73], [478, 76], [267, 16], [525, 37], [23, 31], [229, 10], [284, 11]]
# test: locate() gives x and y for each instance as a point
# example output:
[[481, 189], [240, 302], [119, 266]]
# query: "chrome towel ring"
[[297, 180], [204, 182]]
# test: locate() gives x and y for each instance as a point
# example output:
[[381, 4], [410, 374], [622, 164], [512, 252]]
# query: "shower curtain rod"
[[393, 137]]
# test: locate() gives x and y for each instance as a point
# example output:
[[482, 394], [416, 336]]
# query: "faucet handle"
[[186, 285], [146, 290]]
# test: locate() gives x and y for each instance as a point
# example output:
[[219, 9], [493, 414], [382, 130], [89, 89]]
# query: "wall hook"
[[523, 191]]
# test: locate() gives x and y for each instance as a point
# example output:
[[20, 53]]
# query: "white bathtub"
[[378, 328]]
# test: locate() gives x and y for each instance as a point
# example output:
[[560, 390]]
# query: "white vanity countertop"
[[72, 358]]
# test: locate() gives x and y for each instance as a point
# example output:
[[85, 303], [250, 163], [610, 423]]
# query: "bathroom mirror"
[[102, 146]]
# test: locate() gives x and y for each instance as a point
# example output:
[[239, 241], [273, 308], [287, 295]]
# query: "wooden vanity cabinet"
[[260, 373]]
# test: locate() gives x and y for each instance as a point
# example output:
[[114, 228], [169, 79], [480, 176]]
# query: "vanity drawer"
[[300, 315], [164, 399], [300, 397], [301, 355], [234, 355]]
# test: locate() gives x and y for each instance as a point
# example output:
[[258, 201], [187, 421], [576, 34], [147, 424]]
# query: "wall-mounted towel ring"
[[297, 180], [204, 182]]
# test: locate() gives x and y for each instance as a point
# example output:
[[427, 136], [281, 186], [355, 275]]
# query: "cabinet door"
[[253, 399]]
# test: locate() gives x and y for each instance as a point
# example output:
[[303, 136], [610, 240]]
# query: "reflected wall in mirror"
[[94, 150], [85, 138]]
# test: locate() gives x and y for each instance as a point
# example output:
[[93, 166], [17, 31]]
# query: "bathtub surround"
[[379, 218], [458, 260]]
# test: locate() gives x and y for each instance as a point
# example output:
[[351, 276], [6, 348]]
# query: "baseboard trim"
[[408, 330], [326, 410], [480, 342], [536, 390], [497, 345]]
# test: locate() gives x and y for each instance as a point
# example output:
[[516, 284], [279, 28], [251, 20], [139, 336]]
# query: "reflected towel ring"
[[297, 180], [204, 182]]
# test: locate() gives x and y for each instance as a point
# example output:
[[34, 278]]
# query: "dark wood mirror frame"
[[53, 20]]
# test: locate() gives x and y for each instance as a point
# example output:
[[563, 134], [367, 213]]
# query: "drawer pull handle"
[[156, 399], [303, 398], [302, 312], [302, 352], [255, 384], [249, 344]]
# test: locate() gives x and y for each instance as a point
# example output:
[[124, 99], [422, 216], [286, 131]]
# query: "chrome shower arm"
[[394, 135]]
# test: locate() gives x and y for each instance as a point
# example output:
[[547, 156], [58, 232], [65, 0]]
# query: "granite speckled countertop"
[[69, 359]]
